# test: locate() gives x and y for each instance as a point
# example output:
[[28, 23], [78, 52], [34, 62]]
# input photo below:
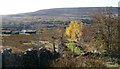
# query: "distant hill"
[[51, 18], [66, 12]]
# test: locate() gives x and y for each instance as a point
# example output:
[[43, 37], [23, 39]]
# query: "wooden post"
[[54, 51], [60, 47]]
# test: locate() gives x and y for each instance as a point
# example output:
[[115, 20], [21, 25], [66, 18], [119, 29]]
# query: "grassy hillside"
[[50, 18]]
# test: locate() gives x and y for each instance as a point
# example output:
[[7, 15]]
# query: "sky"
[[23, 6]]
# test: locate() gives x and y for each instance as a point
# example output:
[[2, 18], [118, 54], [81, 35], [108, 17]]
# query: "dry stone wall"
[[29, 58]]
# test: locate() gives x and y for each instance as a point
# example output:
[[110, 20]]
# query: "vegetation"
[[73, 31], [81, 44], [72, 46]]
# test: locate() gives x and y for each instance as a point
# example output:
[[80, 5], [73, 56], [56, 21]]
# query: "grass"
[[44, 42], [3, 35], [24, 33], [111, 64], [81, 61], [72, 46], [32, 43], [110, 61], [86, 61], [18, 43]]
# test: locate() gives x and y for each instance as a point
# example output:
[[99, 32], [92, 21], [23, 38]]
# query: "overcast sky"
[[22, 6]]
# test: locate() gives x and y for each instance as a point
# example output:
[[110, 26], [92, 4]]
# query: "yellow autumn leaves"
[[73, 31]]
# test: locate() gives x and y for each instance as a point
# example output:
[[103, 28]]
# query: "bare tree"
[[106, 28]]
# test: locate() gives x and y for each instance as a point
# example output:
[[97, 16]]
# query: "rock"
[[30, 51], [42, 49], [87, 53], [7, 50]]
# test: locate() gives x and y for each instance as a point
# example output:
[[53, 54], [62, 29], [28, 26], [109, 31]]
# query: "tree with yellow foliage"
[[73, 31]]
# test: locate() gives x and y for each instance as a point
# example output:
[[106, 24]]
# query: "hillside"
[[50, 39], [67, 12], [50, 18]]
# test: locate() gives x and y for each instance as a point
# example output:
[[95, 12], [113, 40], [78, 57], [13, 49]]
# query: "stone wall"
[[29, 58]]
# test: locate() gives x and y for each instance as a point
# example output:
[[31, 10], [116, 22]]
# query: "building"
[[6, 32], [29, 31]]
